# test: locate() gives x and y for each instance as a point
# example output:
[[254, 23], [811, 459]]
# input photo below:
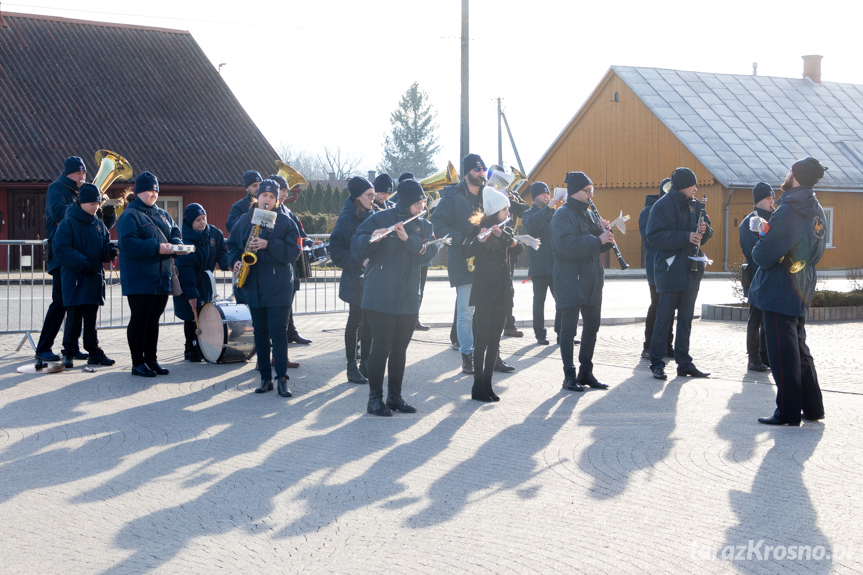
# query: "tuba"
[[290, 175], [432, 185], [112, 166]]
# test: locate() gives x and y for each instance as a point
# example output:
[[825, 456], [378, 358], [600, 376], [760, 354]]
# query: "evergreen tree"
[[412, 143], [327, 200]]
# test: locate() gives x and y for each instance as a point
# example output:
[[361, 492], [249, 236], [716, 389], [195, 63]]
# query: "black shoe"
[[266, 385], [48, 356], [645, 354], [81, 356], [494, 396], [570, 383], [691, 370], [67, 361], [541, 341], [420, 326], [100, 360], [378, 407], [513, 332], [297, 338], [813, 417], [658, 373], [284, 391], [157, 369], [773, 420], [399, 404], [143, 371], [502, 366], [592, 382], [467, 363], [576, 341], [756, 366], [364, 369], [455, 346], [354, 375], [195, 356]]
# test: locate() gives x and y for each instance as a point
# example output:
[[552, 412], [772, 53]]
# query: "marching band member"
[[391, 291], [210, 249], [537, 223], [251, 180], [383, 188], [424, 270], [146, 233], [491, 294], [356, 209], [263, 291]]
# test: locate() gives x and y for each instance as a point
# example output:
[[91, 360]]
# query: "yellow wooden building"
[[733, 131]]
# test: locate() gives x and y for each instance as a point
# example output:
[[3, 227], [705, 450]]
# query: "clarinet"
[[694, 265], [623, 264]]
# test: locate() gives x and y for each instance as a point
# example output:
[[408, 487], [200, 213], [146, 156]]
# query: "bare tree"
[[305, 163], [342, 167]]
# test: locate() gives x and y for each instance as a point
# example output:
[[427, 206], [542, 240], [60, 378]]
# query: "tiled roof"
[[746, 129], [71, 87]]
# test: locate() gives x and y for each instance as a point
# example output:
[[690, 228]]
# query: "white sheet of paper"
[[670, 260], [559, 195]]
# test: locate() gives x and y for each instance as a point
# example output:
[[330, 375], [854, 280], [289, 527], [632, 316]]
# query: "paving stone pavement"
[[194, 473]]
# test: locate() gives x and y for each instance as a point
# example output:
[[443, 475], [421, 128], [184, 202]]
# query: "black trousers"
[[78, 317], [756, 344], [142, 333], [541, 286], [424, 272], [357, 328], [793, 368], [53, 317], [684, 303], [271, 325], [591, 316], [391, 334], [650, 320], [490, 322]]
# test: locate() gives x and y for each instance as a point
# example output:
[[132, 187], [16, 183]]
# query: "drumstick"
[[197, 327]]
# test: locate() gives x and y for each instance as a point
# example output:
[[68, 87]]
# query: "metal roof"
[[71, 87], [747, 129]]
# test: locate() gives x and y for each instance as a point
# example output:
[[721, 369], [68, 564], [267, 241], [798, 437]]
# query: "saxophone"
[[249, 258]]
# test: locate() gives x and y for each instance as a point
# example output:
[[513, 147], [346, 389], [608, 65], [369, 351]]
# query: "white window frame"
[[163, 202], [828, 213]]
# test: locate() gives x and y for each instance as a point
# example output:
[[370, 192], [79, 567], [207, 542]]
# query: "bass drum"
[[226, 332]]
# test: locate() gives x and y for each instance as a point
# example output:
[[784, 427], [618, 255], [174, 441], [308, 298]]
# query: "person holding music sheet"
[[577, 240], [756, 346], [648, 253], [391, 290], [251, 180], [673, 229], [146, 234], [264, 289], [82, 243], [356, 209], [791, 245], [492, 246], [537, 223], [210, 249]]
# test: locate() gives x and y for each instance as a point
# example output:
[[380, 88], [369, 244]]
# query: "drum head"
[[212, 337], [227, 334]]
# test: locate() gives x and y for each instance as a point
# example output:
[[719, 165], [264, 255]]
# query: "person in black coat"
[[83, 245], [251, 180], [210, 249], [264, 290], [355, 210], [673, 230], [391, 291], [146, 233], [791, 245], [577, 241], [383, 189], [648, 254], [491, 294], [537, 224], [424, 270], [756, 346]]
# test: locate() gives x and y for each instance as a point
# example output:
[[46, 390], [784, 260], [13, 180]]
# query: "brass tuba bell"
[[432, 185], [112, 166], [290, 175]]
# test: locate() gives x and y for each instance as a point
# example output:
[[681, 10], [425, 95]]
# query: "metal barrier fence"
[[26, 285]]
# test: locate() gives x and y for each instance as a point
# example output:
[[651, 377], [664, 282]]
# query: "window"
[[828, 214], [173, 205]]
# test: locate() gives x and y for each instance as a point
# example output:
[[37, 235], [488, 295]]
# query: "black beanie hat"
[[472, 161], [576, 181], [89, 193], [538, 188], [384, 184], [406, 176], [146, 182], [808, 172], [357, 186], [683, 178], [760, 191], [268, 186], [73, 164], [283, 183], [409, 193], [664, 186], [251, 177], [192, 212]]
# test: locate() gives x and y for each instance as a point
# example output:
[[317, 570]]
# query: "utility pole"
[[499, 136], [465, 87]]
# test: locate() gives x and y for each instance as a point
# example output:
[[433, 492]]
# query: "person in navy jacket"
[[391, 291], [82, 243], [756, 346], [355, 210], [648, 254], [577, 240], [537, 224], [210, 249], [264, 290], [251, 180], [673, 230], [146, 234], [791, 245]]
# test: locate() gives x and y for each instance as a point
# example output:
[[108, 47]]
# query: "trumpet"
[[260, 218], [623, 264], [112, 166]]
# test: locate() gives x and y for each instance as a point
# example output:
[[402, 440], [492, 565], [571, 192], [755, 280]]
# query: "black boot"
[[266, 385], [480, 390], [570, 382], [67, 360], [377, 407], [587, 379], [354, 375], [467, 363], [399, 404], [99, 358], [364, 369], [283, 387]]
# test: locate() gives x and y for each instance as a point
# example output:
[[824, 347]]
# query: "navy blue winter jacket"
[[82, 243], [392, 276], [648, 254], [492, 281], [239, 209], [451, 218], [537, 224], [340, 251], [748, 239], [797, 233], [210, 249], [140, 230], [578, 274]]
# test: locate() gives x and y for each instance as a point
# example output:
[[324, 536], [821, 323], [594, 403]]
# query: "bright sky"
[[329, 72]]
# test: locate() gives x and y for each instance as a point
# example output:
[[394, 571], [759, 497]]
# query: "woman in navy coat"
[[267, 289], [356, 209], [82, 244]]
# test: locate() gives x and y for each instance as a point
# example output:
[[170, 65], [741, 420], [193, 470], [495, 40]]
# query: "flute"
[[623, 264], [392, 228], [488, 232]]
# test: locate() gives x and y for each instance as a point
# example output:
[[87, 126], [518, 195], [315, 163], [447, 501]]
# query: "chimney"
[[812, 68], [371, 175]]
